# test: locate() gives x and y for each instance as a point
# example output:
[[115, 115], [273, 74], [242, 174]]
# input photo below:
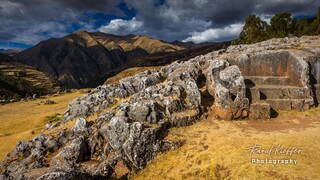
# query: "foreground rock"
[[136, 114]]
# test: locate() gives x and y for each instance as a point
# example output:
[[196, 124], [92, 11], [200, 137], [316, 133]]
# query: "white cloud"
[[123, 27], [216, 34], [266, 18], [8, 7], [41, 31]]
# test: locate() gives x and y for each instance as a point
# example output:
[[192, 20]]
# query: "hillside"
[[19, 81], [126, 43], [82, 58]]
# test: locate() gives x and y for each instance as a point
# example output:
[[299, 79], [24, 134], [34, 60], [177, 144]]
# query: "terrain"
[[81, 59], [21, 81], [195, 109]]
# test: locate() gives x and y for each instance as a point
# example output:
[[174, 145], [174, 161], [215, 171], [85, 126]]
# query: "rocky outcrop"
[[227, 86], [136, 114]]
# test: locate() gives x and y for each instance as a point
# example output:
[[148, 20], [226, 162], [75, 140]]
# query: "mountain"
[[191, 45], [18, 80], [12, 51], [81, 59]]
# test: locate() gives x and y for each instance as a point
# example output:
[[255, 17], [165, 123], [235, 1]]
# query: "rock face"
[[227, 86], [136, 114]]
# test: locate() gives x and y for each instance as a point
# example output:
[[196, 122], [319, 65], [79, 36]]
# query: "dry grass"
[[129, 72], [24, 120], [146, 43], [218, 149]]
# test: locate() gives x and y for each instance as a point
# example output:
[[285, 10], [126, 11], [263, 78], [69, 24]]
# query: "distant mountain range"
[[12, 51], [191, 45], [82, 58]]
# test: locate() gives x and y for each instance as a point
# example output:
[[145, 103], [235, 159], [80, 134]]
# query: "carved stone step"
[[264, 92], [266, 80], [260, 111], [290, 104]]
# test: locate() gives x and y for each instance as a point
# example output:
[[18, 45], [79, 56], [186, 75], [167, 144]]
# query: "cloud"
[[34, 20], [176, 19], [216, 34], [123, 27]]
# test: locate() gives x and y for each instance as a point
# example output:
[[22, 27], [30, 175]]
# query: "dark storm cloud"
[[30, 21], [176, 19]]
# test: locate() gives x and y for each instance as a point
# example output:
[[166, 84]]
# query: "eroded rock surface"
[[136, 114]]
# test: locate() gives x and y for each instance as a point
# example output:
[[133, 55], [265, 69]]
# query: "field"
[[216, 149], [25, 120]]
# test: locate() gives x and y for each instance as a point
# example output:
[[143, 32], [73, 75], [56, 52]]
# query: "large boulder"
[[227, 86], [76, 151]]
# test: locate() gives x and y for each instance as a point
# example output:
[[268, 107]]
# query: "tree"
[[281, 25], [254, 30]]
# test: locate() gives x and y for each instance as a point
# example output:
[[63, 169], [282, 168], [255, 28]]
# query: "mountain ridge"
[[81, 58]]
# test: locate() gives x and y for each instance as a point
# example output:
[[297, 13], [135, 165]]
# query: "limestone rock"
[[227, 86], [81, 125], [117, 131], [76, 151]]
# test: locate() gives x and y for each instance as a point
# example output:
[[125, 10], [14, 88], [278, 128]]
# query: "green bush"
[[54, 118]]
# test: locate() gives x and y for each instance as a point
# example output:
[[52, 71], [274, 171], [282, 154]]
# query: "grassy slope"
[[218, 149], [24, 120], [36, 81]]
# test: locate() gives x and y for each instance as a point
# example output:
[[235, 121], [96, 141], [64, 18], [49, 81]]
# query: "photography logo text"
[[273, 152]]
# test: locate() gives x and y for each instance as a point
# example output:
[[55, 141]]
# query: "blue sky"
[[26, 23]]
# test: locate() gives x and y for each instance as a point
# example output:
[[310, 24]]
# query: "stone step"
[[290, 104], [266, 80], [260, 111], [263, 92]]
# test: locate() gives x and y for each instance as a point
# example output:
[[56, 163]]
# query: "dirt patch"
[[283, 123]]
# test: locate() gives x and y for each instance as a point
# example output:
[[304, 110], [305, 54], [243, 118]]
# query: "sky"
[[24, 23]]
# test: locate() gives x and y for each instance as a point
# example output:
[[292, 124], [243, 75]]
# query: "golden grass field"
[[216, 149], [25, 120]]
